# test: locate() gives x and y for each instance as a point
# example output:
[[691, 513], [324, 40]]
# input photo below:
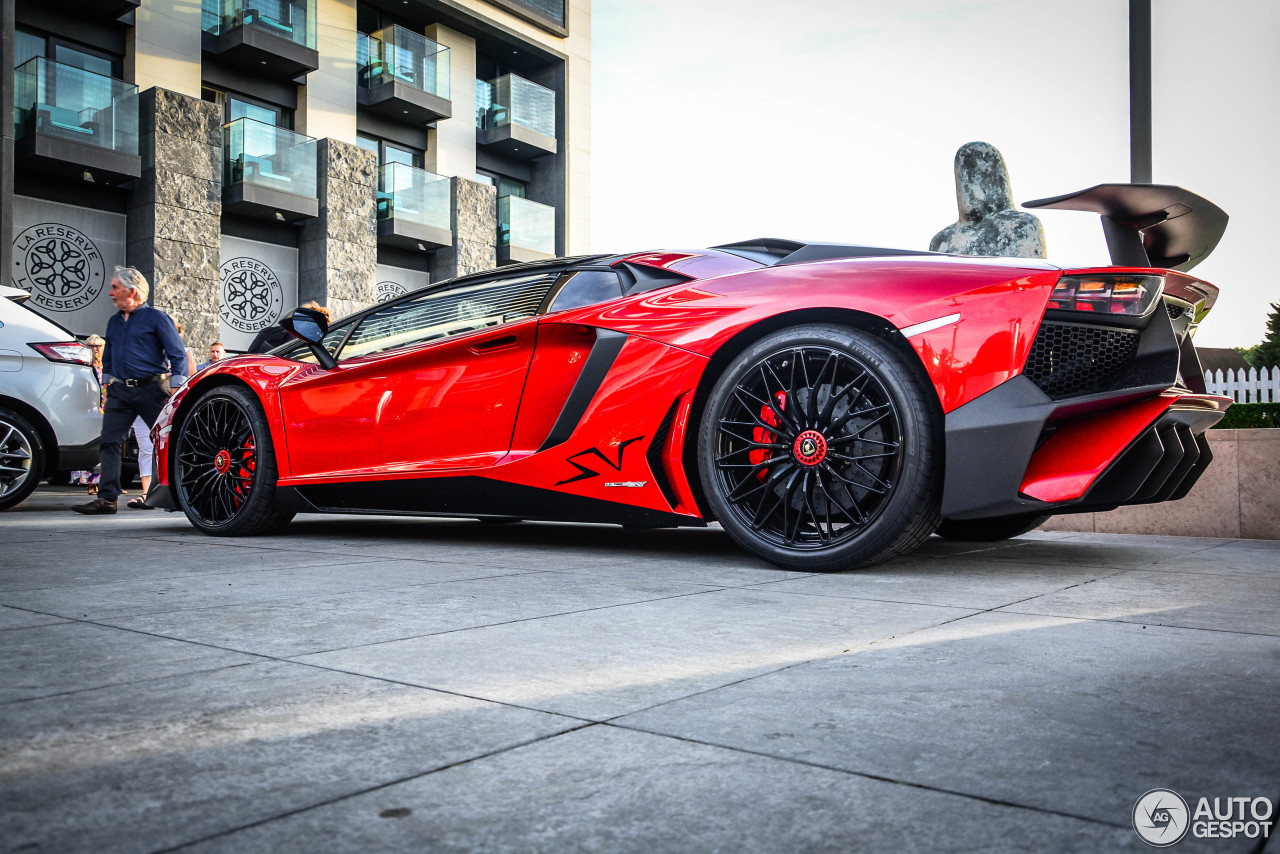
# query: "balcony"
[[268, 172], [516, 117], [72, 121], [265, 37], [403, 75], [414, 208], [526, 230], [97, 10]]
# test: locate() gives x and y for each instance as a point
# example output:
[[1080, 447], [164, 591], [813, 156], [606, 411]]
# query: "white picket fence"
[[1251, 386]]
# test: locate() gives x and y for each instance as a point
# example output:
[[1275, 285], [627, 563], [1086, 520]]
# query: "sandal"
[[139, 504]]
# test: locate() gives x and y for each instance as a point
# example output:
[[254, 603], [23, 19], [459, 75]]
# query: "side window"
[[585, 287], [446, 313]]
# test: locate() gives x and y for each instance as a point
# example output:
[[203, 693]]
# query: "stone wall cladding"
[[338, 250], [474, 221], [175, 210]]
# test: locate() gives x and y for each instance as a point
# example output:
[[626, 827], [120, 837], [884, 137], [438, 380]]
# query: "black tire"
[[991, 530], [22, 458], [223, 471], [849, 477]]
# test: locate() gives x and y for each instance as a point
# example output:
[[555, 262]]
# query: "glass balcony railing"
[[293, 20], [260, 154], [396, 55], [526, 225], [413, 195], [62, 100], [513, 100]]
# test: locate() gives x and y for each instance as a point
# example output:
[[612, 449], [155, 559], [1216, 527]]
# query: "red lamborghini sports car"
[[830, 406]]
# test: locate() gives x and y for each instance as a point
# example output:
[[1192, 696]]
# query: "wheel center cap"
[[810, 448], [222, 461]]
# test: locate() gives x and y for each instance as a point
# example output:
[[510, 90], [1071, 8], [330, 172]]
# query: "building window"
[[26, 46], [235, 106], [506, 186], [390, 152]]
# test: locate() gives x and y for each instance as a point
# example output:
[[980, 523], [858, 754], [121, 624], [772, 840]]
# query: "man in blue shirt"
[[143, 359]]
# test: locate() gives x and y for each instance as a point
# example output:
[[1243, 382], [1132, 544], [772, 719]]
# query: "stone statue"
[[988, 224]]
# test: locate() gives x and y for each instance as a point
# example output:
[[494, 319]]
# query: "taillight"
[[65, 351], [1110, 293]]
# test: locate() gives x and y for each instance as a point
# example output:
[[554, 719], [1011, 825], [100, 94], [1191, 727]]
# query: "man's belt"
[[144, 381]]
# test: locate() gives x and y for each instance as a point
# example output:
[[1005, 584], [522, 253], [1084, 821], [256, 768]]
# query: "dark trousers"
[[123, 405]]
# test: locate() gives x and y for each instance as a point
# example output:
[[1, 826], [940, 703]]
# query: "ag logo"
[[60, 266], [390, 290], [1161, 817], [252, 298]]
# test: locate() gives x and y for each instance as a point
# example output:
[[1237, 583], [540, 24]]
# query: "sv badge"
[[586, 472]]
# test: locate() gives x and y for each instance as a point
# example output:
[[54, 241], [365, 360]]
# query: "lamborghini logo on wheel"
[[585, 472]]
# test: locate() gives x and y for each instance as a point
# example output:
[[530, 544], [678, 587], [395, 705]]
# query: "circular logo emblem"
[[222, 461], [390, 290], [252, 298], [810, 448], [1161, 817], [60, 266]]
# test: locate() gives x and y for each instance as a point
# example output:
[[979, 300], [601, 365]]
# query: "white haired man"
[[143, 353]]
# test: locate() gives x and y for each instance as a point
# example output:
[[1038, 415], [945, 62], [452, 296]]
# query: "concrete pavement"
[[375, 684]]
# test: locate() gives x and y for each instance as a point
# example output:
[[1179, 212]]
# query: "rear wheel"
[[820, 450], [224, 466], [991, 530], [21, 458]]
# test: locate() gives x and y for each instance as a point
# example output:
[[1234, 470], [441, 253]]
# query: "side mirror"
[[310, 326]]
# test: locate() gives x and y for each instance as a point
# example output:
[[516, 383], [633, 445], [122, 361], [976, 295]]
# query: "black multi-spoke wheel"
[[224, 469], [21, 458], [819, 450]]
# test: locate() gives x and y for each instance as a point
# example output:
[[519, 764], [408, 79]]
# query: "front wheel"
[[820, 449], [224, 466], [21, 459]]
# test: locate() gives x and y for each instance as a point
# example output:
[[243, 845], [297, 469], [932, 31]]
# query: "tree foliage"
[[1266, 354]]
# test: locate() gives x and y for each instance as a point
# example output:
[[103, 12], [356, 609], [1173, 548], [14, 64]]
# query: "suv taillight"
[[1132, 295], [65, 351]]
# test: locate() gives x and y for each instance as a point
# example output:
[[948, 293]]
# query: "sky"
[[722, 120]]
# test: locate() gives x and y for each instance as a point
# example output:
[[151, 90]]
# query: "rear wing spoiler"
[[1149, 225]]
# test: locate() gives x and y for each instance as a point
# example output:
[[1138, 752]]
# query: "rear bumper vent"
[[1071, 359]]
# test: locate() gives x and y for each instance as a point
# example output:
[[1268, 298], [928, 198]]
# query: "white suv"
[[49, 396]]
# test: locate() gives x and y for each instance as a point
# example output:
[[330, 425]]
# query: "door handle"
[[501, 342]]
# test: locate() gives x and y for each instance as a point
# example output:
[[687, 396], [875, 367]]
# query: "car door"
[[428, 382]]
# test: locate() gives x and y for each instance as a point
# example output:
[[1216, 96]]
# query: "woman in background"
[[89, 478], [146, 447]]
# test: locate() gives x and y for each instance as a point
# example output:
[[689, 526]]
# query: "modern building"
[[249, 155]]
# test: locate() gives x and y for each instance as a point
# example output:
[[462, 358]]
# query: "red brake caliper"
[[763, 436]]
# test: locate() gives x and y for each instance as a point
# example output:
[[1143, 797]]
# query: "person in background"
[[142, 437], [275, 335], [89, 478], [191, 357], [143, 358], [217, 353]]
